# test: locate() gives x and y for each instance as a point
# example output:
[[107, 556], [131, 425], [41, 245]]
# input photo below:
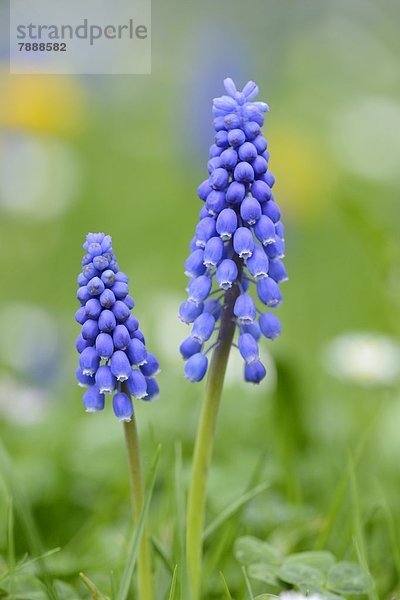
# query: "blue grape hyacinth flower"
[[235, 264], [113, 358]]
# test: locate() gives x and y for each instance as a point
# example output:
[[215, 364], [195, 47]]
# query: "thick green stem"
[[204, 444], [137, 495]]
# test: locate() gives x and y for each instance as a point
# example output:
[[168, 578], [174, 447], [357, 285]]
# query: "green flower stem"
[[145, 590], [204, 444]]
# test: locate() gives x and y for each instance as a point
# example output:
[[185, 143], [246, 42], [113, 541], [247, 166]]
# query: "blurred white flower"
[[39, 177], [20, 403], [364, 358]]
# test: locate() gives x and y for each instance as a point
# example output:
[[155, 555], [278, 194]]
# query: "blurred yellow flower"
[[41, 104], [303, 176]]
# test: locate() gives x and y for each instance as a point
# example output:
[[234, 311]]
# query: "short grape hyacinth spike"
[[238, 244], [113, 358]]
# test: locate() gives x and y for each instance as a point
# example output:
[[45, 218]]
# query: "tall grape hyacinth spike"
[[113, 358], [238, 243], [238, 247]]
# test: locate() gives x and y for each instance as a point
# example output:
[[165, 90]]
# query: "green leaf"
[[300, 574], [349, 578], [319, 559], [263, 572], [265, 597], [250, 550]]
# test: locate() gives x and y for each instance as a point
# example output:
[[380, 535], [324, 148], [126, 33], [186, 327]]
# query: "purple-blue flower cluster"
[[113, 358], [239, 239]]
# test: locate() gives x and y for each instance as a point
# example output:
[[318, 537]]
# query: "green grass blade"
[[24, 563], [233, 508], [358, 527], [96, 594], [342, 486], [112, 584], [173, 584], [10, 544], [180, 515], [393, 536], [168, 564], [217, 551], [24, 512], [125, 582], [226, 588], [180, 498], [248, 586]]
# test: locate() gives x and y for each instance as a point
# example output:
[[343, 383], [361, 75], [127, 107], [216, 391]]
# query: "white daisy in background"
[[20, 403], [365, 358]]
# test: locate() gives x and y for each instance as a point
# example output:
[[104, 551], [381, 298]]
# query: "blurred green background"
[[124, 155]]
